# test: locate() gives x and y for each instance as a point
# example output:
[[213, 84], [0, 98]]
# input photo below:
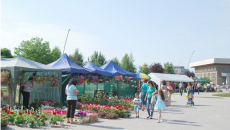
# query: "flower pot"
[[51, 125], [61, 123]]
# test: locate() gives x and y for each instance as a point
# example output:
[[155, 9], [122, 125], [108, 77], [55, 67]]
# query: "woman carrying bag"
[[151, 90], [71, 98]]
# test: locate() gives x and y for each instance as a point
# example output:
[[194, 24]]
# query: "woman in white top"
[[26, 92]]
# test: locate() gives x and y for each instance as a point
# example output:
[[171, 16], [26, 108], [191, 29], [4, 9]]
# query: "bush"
[[3, 121], [86, 98], [100, 98]]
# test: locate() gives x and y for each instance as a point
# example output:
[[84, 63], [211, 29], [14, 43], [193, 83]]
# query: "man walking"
[[181, 86], [198, 87]]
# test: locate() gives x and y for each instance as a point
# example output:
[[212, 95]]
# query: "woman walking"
[[170, 91], [71, 98], [150, 93], [189, 87], [144, 89]]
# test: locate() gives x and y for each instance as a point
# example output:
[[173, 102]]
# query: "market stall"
[[47, 78], [157, 77]]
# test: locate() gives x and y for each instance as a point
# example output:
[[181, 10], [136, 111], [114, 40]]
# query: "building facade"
[[216, 69], [180, 69]]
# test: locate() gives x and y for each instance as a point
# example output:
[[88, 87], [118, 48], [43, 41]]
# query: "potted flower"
[[101, 114], [53, 120], [32, 121], [20, 119], [60, 119], [81, 117], [3, 121], [111, 115]]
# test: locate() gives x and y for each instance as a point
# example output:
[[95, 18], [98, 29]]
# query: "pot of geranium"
[[20, 120], [60, 120], [52, 120], [31, 121], [3, 121]]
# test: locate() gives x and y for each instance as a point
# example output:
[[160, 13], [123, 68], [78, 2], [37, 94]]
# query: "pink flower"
[[20, 77]]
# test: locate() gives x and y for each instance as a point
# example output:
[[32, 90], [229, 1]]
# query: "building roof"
[[210, 61]]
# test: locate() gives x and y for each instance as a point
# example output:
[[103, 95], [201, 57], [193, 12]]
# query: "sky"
[[152, 30]]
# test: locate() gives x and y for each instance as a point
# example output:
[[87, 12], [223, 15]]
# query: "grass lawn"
[[222, 94], [212, 97]]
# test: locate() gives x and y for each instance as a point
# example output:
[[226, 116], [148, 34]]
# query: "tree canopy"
[[127, 63], [144, 69], [6, 53], [115, 60], [97, 58], [168, 68], [77, 57], [37, 50], [189, 74], [156, 68]]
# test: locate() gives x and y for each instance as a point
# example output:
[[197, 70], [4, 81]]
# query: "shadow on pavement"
[[181, 122]]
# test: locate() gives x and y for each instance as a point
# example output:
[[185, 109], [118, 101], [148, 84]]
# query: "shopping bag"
[[153, 100]]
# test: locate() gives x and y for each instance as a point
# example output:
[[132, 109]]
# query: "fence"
[[119, 88]]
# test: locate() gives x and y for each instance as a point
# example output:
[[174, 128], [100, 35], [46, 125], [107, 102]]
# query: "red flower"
[[32, 113], [80, 105], [8, 112], [37, 115], [40, 99], [93, 89], [11, 112], [43, 116], [35, 100], [54, 113], [20, 113], [25, 111], [88, 103], [4, 109], [120, 109], [98, 108], [56, 123], [122, 97]]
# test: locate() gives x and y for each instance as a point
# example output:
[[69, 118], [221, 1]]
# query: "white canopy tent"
[[157, 77]]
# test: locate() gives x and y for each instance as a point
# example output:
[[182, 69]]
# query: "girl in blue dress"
[[160, 105]]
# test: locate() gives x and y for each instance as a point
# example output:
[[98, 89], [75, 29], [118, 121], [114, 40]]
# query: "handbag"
[[153, 100]]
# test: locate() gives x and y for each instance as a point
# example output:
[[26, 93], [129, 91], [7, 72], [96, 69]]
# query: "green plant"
[[111, 115], [32, 121], [86, 98], [3, 121], [11, 117], [113, 101], [20, 119], [123, 113], [100, 98], [53, 119], [101, 114]]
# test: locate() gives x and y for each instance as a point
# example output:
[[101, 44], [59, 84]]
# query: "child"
[[137, 102], [160, 105], [190, 97]]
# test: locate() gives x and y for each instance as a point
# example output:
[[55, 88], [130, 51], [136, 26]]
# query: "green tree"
[[56, 53], [77, 57], [115, 60], [97, 58], [127, 63], [168, 68], [6, 53], [35, 49], [144, 69], [207, 79]]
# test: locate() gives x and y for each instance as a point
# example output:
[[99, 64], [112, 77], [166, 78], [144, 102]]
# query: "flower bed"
[[31, 119]]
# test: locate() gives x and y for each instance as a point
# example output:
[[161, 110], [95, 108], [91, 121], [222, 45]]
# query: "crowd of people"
[[151, 96]]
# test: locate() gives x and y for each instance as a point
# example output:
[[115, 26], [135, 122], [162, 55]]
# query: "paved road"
[[207, 114]]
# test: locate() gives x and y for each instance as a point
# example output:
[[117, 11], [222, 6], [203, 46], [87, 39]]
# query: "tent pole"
[[117, 89], [84, 87]]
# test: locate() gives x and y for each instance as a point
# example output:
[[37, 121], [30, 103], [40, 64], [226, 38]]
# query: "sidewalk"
[[208, 113]]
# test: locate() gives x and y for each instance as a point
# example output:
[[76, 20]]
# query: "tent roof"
[[170, 77], [115, 69], [96, 69], [26, 64], [68, 66]]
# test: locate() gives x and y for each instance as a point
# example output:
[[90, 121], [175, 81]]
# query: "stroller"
[[190, 99]]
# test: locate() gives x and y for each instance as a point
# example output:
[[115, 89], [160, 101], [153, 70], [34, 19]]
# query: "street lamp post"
[[66, 41], [190, 59]]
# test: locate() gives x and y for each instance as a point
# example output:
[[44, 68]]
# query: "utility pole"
[[190, 59], [66, 41]]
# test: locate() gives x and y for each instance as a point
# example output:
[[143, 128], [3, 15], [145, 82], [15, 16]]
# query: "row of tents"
[[110, 69], [64, 65]]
